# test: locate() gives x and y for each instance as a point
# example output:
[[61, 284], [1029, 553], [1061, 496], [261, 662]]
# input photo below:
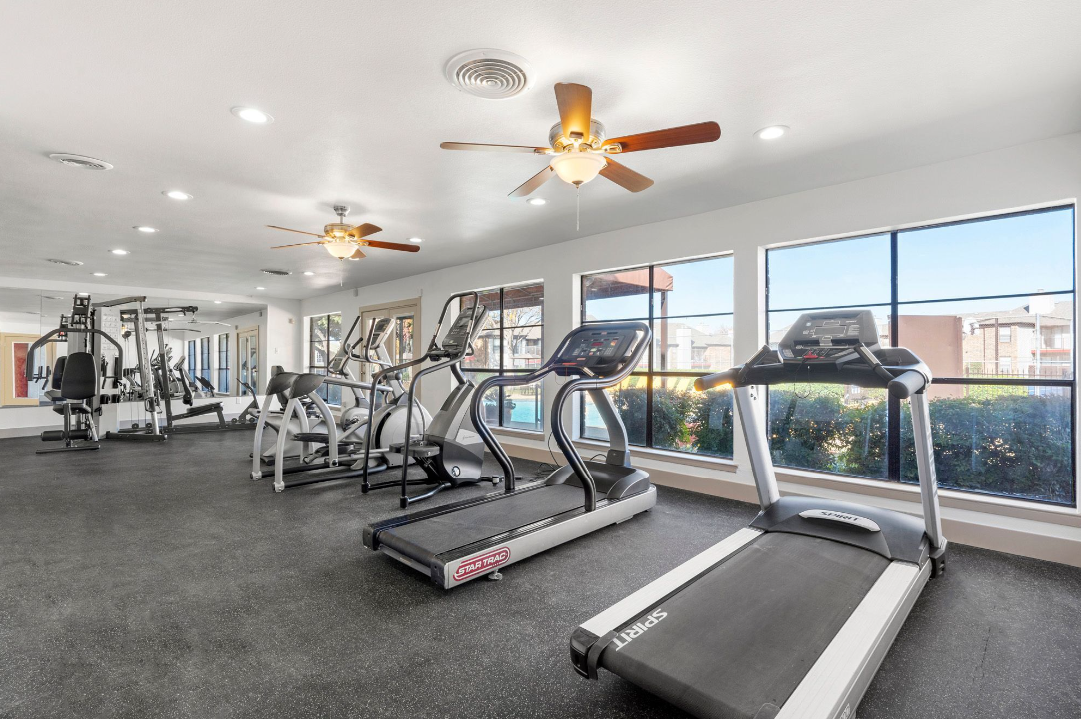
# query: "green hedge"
[[1004, 443]]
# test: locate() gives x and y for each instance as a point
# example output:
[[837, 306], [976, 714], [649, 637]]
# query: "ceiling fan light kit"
[[578, 166]]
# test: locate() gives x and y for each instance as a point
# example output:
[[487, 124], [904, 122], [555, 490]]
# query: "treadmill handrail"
[[558, 431], [871, 372]]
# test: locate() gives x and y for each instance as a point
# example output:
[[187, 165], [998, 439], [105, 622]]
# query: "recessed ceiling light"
[[308, 274], [538, 201], [772, 132], [176, 195], [250, 114], [145, 228], [119, 252], [353, 259], [416, 240], [100, 274], [217, 302], [260, 288]]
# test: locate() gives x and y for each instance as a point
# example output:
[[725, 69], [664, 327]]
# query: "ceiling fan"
[[579, 143], [343, 240]]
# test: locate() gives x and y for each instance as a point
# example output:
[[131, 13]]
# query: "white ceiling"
[[361, 106]]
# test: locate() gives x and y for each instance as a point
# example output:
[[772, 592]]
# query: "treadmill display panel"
[[457, 336], [829, 336], [599, 352]]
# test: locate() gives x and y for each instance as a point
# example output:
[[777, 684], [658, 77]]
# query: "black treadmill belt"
[[743, 636], [445, 532]]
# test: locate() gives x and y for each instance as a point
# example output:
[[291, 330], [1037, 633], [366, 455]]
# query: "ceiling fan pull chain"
[[577, 207]]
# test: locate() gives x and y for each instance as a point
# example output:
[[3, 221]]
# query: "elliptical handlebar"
[[48, 337]]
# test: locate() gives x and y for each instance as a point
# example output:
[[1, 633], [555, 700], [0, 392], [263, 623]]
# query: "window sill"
[[514, 432], [661, 455]]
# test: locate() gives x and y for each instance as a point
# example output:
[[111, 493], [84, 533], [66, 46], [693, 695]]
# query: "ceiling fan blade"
[[625, 177], [672, 137], [357, 255], [478, 146], [299, 244], [575, 109], [390, 245], [364, 230], [533, 183], [299, 232]]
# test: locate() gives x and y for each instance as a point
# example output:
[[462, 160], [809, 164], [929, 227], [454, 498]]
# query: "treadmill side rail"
[[636, 604], [488, 559], [836, 682]]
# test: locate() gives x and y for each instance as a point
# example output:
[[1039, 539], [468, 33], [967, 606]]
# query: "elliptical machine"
[[448, 450]]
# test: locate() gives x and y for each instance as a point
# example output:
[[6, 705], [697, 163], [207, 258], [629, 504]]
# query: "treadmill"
[[457, 542], [791, 616]]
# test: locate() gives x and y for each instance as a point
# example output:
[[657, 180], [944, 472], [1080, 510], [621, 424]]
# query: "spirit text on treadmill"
[[483, 563], [637, 629]]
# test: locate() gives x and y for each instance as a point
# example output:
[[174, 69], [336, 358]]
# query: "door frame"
[[248, 332], [413, 304], [8, 340]]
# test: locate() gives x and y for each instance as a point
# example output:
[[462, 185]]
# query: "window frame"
[[502, 370], [323, 391], [205, 358], [893, 408], [650, 373], [192, 356], [223, 362]]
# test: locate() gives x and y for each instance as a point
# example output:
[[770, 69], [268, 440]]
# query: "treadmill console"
[[596, 352], [829, 337]]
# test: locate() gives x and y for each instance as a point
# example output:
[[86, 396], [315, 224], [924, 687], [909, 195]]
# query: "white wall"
[[1037, 173]]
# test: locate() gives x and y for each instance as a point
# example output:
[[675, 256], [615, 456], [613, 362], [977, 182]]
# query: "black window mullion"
[[893, 405], [502, 365], [649, 363]]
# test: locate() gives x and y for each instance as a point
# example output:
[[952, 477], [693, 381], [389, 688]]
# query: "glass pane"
[[335, 327], [1008, 440], [335, 347], [490, 301], [699, 287], [1019, 338], [629, 398], [523, 305], [829, 428], [689, 421], [616, 295], [999, 256], [491, 398], [796, 274], [523, 347], [523, 407], [485, 351], [318, 355], [318, 329], [696, 344], [780, 322]]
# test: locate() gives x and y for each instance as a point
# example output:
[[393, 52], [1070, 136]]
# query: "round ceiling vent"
[[69, 263], [81, 161], [277, 273], [489, 73]]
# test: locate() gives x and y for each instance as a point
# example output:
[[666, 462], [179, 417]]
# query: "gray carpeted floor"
[[158, 581]]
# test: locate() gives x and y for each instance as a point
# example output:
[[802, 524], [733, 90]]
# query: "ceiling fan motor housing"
[[595, 140]]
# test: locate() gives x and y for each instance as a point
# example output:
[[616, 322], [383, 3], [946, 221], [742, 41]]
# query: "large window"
[[511, 343], [688, 305], [192, 369], [989, 305], [223, 362], [324, 341], [204, 358]]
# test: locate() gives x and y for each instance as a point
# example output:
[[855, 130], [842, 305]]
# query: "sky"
[[1014, 255]]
